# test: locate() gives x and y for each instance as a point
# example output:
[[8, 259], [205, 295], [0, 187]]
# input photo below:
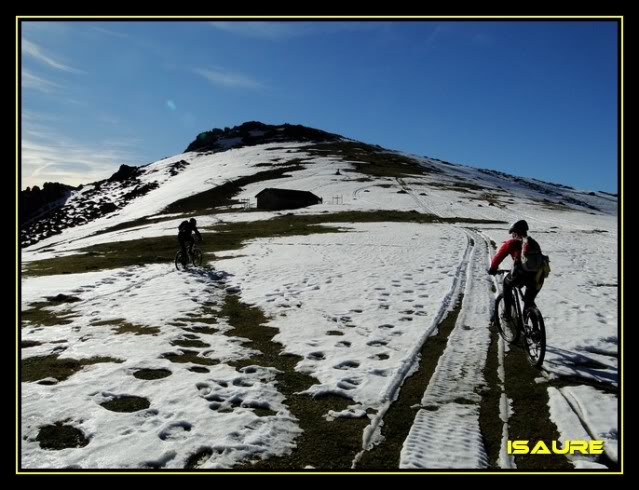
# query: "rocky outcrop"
[[256, 133]]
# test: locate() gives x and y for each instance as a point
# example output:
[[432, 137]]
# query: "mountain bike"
[[528, 323], [195, 258]]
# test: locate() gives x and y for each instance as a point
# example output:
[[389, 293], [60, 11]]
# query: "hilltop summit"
[[257, 133]]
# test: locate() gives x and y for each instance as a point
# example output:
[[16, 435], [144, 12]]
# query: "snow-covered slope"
[[356, 306]]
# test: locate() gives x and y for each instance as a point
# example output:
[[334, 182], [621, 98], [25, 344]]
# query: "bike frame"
[[190, 252], [523, 316]]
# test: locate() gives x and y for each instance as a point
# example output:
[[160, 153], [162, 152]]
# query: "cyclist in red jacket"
[[518, 276]]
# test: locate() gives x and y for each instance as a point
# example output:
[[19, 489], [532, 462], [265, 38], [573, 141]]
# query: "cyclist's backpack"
[[532, 260]]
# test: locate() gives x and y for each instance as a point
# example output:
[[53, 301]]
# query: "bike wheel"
[[508, 330], [535, 337], [196, 256], [180, 264]]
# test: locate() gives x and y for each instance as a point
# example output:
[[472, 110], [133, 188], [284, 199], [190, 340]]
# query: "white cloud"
[[228, 79], [109, 119], [48, 156], [109, 32], [260, 29], [29, 80], [287, 29], [31, 49], [171, 105]]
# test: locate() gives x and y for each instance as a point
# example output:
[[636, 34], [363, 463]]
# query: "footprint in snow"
[[379, 357], [376, 343], [175, 431], [379, 372], [347, 365], [348, 384]]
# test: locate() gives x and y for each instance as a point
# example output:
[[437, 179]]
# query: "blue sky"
[[531, 98]]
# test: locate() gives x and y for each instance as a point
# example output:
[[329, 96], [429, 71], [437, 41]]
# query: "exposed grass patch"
[[25, 344], [188, 356], [38, 315], [457, 186], [305, 224], [114, 321], [400, 416], [228, 236], [60, 436], [196, 459], [62, 298], [552, 205], [109, 256], [190, 343], [121, 326], [198, 369], [127, 327], [261, 410], [216, 197], [210, 320], [51, 366], [370, 160], [466, 184], [531, 416], [491, 199], [222, 195], [149, 374], [127, 404], [490, 423], [201, 330], [323, 445]]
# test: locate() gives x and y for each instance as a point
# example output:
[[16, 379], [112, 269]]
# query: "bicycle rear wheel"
[[196, 256], [507, 329], [535, 337], [180, 263]]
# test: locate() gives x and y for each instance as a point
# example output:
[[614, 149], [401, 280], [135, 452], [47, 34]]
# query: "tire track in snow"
[[496, 386], [372, 433], [419, 202], [446, 431]]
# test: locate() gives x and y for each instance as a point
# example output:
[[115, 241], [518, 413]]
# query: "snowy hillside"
[[308, 332]]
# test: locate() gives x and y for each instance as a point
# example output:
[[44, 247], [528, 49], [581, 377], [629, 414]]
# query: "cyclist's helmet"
[[520, 227], [192, 221]]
